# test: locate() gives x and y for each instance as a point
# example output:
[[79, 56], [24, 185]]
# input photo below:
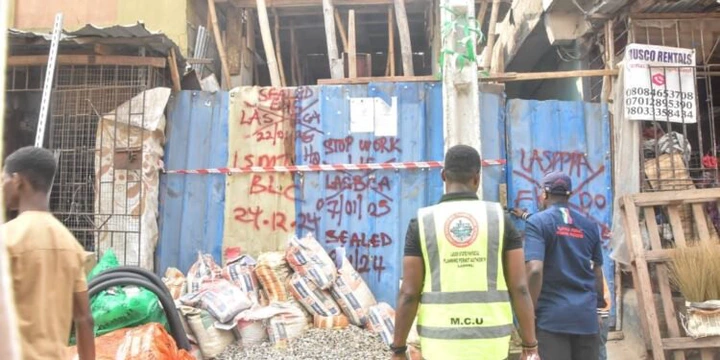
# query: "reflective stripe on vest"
[[465, 308]]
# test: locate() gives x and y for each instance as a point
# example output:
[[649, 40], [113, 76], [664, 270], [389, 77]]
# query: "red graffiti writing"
[[339, 207], [576, 165], [364, 263], [382, 145], [262, 160], [308, 222], [258, 218], [356, 183], [265, 184], [357, 239], [572, 163], [333, 146]]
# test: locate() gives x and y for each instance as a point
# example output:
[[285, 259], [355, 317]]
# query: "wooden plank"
[[487, 61], [341, 28], [391, 42], [405, 44], [679, 197], [615, 336], [278, 49], [293, 60], [234, 39], [249, 63], [306, 3], [174, 73], [675, 16], [367, 80], [677, 225], [268, 44], [192, 61], [336, 66], [663, 279], [352, 51], [700, 221], [481, 14], [39, 60], [706, 354], [618, 298], [219, 44], [690, 343], [646, 301]]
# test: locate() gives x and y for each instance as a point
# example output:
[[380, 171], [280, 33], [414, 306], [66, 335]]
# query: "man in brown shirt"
[[46, 262]]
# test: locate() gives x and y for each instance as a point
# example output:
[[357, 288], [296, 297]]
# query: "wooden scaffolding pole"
[[219, 44], [336, 65], [405, 44], [390, 68], [341, 29], [487, 61], [278, 49], [352, 51], [268, 44]]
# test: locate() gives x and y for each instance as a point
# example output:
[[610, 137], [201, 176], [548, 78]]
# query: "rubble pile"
[[351, 343]]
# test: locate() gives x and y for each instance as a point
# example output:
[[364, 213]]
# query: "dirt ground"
[[624, 350]]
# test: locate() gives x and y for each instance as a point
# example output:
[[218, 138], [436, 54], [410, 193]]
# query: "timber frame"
[[639, 209]]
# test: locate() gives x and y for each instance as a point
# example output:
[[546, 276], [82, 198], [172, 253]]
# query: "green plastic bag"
[[121, 307], [107, 261]]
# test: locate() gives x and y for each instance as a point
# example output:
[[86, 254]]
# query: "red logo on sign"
[[658, 79]]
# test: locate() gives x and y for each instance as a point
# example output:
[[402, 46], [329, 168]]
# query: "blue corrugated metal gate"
[[367, 212], [573, 137]]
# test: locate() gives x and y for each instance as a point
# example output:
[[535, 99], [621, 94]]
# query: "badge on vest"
[[461, 230]]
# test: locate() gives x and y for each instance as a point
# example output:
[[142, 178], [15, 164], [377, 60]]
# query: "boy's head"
[[462, 166], [27, 172]]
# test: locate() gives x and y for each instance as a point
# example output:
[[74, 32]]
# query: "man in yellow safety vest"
[[464, 266]]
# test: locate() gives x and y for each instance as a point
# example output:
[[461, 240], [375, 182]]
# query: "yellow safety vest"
[[465, 310]]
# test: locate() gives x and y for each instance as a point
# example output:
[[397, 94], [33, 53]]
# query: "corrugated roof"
[[136, 35]]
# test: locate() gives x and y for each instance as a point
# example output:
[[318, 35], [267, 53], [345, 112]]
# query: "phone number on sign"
[[658, 102], [659, 113], [669, 94]]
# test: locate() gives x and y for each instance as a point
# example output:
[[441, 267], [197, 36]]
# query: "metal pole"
[[49, 76]]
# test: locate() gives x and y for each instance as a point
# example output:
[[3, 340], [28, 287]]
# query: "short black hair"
[[462, 163], [35, 164]]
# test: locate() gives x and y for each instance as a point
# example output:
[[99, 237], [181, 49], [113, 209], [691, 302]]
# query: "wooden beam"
[[690, 343], [234, 39], [278, 49], [293, 60], [307, 3], [676, 197], [487, 61], [268, 44], [405, 44], [39, 60], [481, 14], [174, 73], [248, 71], [336, 65], [341, 29], [219, 44], [391, 39], [352, 51], [675, 16], [501, 78]]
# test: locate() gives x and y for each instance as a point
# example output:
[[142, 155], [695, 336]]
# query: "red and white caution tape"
[[333, 167]]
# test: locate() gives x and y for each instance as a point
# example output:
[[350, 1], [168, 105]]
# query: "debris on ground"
[[351, 343]]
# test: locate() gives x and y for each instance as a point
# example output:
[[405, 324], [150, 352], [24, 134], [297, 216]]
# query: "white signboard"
[[660, 83]]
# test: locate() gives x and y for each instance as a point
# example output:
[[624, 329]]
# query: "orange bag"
[[149, 341]]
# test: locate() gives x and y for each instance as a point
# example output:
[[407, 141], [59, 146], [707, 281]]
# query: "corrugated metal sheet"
[[682, 6], [367, 212], [192, 207], [572, 137]]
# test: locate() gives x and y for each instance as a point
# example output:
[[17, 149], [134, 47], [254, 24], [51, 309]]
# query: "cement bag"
[[175, 282], [272, 272], [252, 333], [212, 341], [336, 322], [182, 309], [241, 272], [315, 300], [149, 341], [382, 321], [351, 292], [224, 300], [308, 258], [203, 270], [286, 326]]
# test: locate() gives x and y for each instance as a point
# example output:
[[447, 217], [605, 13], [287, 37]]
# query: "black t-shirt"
[[513, 239]]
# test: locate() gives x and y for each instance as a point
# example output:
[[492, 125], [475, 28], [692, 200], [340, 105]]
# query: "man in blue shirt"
[[561, 247]]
